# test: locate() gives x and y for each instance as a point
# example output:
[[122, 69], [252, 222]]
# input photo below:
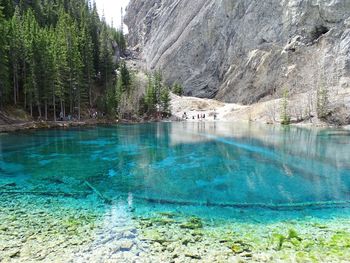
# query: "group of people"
[[93, 114], [69, 117], [199, 116]]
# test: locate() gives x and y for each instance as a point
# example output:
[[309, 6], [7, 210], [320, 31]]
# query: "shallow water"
[[220, 172]]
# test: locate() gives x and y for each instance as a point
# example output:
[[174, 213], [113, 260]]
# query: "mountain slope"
[[244, 51]]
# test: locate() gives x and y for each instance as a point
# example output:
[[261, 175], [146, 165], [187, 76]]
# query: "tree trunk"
[[17, 88], [37, 100], [45, 109], [39, 108], [0, 97], [62, 110], [24, 91], [71, 103], [90, 91], [31, 109], [79, 104], [54, 104], [14, 87]]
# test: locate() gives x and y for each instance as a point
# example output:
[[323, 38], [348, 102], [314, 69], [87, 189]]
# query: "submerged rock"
[[192, 223]]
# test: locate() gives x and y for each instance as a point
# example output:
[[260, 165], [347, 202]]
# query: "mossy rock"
[[153, 235], [302, 256], [186, 241], [193, 223], [162, 221], [319, 226], [236, 248], [167, 214], [239, 247], [197, 232], [340, 239]]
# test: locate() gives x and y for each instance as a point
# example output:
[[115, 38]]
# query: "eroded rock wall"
[[244, 50]]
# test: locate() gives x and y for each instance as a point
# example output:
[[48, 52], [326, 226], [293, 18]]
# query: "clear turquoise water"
[[217, 170]]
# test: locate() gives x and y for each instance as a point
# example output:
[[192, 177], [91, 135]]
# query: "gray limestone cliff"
[[244, 50]]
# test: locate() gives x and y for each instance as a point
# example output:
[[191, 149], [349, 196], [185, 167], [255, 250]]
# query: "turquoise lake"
[[197, 165], [222, 173]]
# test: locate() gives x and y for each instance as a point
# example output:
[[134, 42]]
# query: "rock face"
[[244, 50]]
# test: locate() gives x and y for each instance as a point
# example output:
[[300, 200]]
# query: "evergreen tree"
[[151, 96], [95, 29], [52, 69], [31, 92], [8, 8], [322, 102], [106, 62], [51, 53], [119, 38], [74, 67], [86, 49], [125, 77], [16, 49], [4, 77], [61, 61], [178, 89], [158, 84], [45, 68], [285, 117], [165, 100]]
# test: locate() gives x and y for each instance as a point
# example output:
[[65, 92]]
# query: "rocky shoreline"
[[51, 125], [60, 229], [213, 110]]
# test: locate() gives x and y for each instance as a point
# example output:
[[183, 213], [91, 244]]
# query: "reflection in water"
[[210, 164], [148, 181]]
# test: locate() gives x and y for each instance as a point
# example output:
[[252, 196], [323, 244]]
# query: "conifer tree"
[[178, 89], [31, 92], [106, 64], [165, 100], [52, 54], [8, 8], [151, 96], [60, 61], [125, 77], [158, 84], [95, 29], [4, 83], [16, 49], [86, 49]]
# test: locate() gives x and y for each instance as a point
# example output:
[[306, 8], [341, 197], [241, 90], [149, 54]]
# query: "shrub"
[[285, 117], [178, 89]]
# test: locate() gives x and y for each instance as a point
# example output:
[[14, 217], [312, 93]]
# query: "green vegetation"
[[285, 117], [4, 80], [178, 89], [292, 237], [157, 98], [192, 223], [57, 57], [322, 102]]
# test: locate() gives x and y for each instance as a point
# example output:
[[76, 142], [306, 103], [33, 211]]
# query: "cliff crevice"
[[244, 51]]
